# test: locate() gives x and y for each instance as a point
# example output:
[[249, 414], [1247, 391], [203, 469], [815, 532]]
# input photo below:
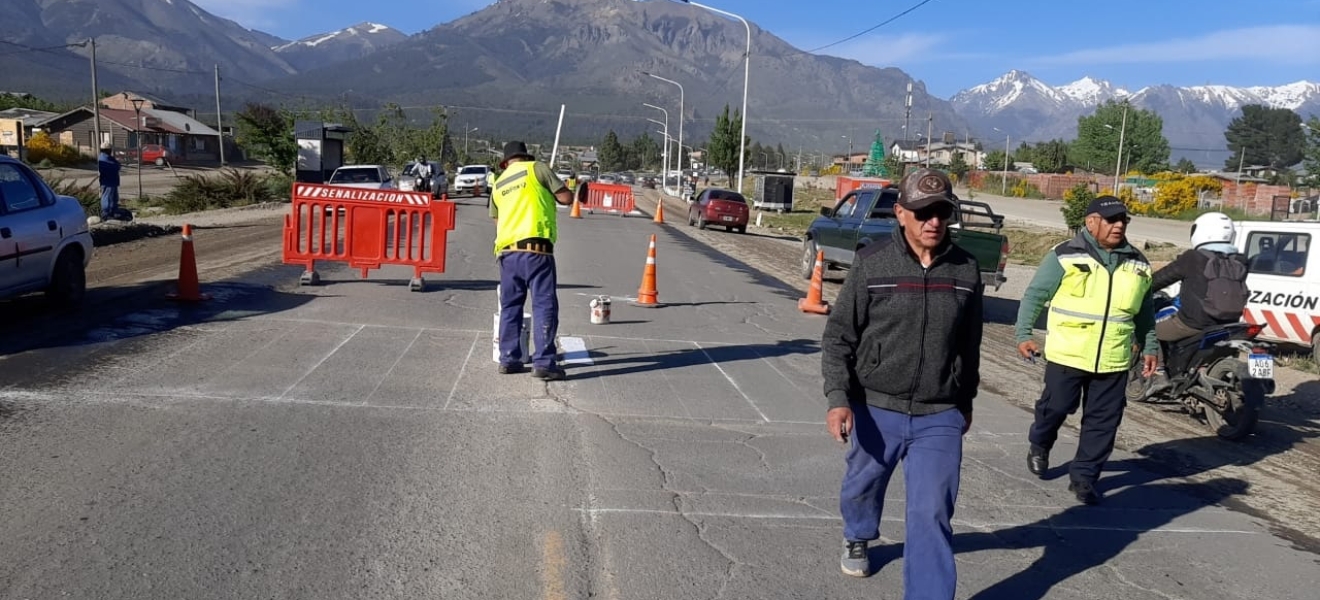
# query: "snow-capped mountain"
[[346, 44], [1194, 117]]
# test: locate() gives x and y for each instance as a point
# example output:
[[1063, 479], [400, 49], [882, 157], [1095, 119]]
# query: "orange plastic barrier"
[[609, 198], [366, 229]]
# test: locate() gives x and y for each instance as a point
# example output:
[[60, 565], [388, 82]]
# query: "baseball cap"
[[1106, 207], [924, 187]]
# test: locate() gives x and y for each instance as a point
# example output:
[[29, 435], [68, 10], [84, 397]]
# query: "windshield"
[[356, 176], [727, 196], [472, 171]]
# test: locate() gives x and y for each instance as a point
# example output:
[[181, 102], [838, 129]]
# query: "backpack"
[[1226, 287]]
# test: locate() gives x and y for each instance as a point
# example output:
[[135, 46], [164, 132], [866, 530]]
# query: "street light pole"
[[747, 71], [1003, 188], [137, 135], [681, 99], [664, 169], [465, 141], [1119, 161]]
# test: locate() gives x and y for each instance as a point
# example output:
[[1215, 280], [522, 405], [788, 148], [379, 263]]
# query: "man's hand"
[[968, 427], [839, 422], [1151, 363], [1029, 349]]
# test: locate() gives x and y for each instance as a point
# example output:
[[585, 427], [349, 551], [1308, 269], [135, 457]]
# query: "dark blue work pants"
[[109, 201], [519, 273], [930, 447], [1102, 412]]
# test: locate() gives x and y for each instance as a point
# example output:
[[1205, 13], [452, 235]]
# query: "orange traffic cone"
[[189, 289], [814, 303], [576, 213], [647, 295], [659, 212]]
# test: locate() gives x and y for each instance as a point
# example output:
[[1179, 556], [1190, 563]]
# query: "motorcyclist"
[[1202, 304], [423, 174]]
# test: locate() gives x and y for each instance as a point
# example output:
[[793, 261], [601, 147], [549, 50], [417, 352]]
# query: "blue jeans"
[[930, 447], [109, 201], [519, 273]]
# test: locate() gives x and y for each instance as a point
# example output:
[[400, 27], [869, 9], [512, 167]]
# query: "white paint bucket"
[[600, 310], [526, 338]]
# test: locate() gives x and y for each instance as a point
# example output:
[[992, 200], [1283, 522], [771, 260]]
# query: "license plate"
[[1260, 366], [727, 218]]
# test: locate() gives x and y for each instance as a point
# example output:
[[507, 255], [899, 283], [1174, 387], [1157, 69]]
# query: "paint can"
[[525, 350], [600, 310]]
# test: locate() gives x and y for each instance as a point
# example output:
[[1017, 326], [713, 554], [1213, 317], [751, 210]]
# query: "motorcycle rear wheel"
[[1241, 413]]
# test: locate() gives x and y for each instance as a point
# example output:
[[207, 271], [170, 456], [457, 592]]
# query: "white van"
[[1284, 282]]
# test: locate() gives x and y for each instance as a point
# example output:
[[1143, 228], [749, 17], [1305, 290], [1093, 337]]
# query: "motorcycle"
[[1207, 377]]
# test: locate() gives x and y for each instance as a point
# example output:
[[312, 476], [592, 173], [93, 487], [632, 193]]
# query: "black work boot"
[[1038, 461], [1085, 492]]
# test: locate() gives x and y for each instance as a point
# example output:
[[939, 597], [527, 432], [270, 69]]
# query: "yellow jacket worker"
[[522, 203]]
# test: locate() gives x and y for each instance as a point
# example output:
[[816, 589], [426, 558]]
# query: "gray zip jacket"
[[903, 337]]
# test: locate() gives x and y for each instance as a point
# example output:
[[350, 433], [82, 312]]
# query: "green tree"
[[1144, 146], [267, 133], [1185, 166], [894, 166], [1311, 151], [646, 151], [723, 146], [610, 154], [994, 160], [1075, 202], [958, 165], [1268, 136], [1051, 156], [8, 101]]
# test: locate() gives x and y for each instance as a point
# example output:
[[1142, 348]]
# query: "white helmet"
[[1212, 228]]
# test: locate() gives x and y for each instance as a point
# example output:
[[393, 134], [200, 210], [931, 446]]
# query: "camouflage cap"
[[924, 187]]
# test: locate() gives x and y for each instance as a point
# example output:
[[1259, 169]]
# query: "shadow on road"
[[612, 365]]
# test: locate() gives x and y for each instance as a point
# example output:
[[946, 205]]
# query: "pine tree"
[[875, 163]]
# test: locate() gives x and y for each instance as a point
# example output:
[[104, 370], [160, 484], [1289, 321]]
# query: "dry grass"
[[1029, 246]]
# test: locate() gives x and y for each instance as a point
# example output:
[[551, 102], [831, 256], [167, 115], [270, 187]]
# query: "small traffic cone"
[[814, 303], [647, 295], [576, 212], [189, 289], [659, 212]]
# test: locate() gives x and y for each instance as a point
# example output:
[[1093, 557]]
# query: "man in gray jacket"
[[901, 363]]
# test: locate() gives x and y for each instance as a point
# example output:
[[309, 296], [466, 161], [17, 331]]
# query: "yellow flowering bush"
[[42, 147]]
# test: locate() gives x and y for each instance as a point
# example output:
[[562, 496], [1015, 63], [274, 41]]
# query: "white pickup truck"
[[372, 177]]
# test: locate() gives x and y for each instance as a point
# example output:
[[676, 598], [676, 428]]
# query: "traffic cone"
[[576, 212], [659, 212], [189, 289], [814, 303], [647, 295]]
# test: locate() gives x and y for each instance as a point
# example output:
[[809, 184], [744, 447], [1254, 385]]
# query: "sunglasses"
[[941, 210], [1124, 219]]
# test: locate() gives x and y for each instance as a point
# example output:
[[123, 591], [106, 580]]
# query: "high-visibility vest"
[[526, 208], [1093, 314]]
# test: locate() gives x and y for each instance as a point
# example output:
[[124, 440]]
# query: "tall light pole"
[[465, 141], [1003, 189], [137, 124], [848, 161], [747, 71], [1118, 162], [681, 99], [664, 171]]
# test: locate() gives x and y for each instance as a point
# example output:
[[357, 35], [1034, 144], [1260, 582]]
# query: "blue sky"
[[954, 44]]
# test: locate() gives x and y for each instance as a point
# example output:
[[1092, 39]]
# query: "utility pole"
[[219, 128], [930, 123], [96, 100], [908, 117]]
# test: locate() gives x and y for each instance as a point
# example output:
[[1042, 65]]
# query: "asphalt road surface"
[[353, 440]]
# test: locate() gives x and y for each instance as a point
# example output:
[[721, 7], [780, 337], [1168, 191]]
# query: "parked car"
[[716, 206], [372, 177], [866, 215], [1284, 285], [439, 179], [45, 244], [470, 178], [154, 154], [564, 174]]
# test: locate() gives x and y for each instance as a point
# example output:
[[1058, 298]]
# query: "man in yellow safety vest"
[[1101, 313]]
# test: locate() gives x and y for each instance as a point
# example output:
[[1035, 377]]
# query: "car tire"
[[741, 230], [160, 162], [701, 221], [808, 258], [68, 282]]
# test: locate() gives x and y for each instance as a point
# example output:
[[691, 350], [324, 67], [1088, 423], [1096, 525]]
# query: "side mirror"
[[826, 211]]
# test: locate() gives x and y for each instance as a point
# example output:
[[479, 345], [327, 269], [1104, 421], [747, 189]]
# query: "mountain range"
[[508, 67]]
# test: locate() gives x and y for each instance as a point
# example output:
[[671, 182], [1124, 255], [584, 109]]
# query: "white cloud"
[[1277, 44]]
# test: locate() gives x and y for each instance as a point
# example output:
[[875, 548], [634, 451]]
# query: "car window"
[[1278, 253], [16, 190], [846, 206], [356, 176], [727, 196], [884, 207], [472, 171]]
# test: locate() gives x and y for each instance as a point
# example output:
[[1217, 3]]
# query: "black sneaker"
[[855, 561], [550, 373], [1085, 492], [511, 368]]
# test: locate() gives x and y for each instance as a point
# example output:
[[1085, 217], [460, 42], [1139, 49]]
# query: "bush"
[[88, 194], [1075, 201], [231, 188], [1177, 194], [280, 187], [43, 149]]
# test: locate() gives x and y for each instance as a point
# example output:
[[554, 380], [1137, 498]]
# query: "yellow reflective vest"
[[526, 208], [1093, 314]]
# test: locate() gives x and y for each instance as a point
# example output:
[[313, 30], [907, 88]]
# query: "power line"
[[862, 33]]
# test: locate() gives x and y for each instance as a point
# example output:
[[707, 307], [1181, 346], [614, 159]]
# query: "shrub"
[[1075, 201], [280, 187], [43, 149], [1023, 189], [1176, 194], [88, 194], [230, 188]]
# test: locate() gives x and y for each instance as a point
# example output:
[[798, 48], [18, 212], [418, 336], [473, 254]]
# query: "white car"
[[372, 177], [44, 240], [469, 178], [439, 179]]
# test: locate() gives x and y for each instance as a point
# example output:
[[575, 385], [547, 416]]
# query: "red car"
[[715, 206]]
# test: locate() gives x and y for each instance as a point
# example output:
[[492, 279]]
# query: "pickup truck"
[[866, 215]]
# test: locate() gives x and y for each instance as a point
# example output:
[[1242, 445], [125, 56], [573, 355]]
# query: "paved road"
[[353, 440], [1045, 213]]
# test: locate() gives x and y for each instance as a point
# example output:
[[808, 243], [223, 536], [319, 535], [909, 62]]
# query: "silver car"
[[45, 244]]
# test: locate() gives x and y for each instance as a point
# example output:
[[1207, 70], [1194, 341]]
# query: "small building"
[[167, 125]]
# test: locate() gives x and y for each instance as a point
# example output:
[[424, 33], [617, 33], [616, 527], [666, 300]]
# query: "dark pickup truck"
[[867, 214]]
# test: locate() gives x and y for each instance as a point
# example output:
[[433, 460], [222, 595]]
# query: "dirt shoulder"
[[1279, 462]]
